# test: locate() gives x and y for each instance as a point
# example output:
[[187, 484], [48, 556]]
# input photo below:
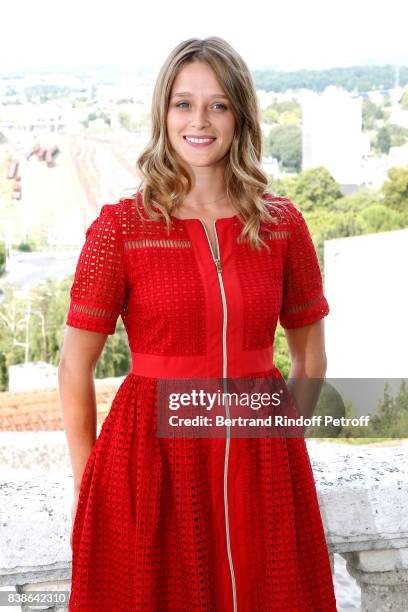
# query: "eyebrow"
[[182, 94]]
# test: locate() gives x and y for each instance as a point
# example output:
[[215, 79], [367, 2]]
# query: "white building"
[[366, 331], [399, 117], [332, 134], [28, 118], [366, 334], [375, 169], [270, 165], [265, 98]]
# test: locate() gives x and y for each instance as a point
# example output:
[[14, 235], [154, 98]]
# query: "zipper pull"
[[218, 265]]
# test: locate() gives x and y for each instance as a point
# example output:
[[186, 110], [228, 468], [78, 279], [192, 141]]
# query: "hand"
[[73, 513]]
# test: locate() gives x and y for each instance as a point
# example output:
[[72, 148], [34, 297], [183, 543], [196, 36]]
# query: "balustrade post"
[[383, 578]]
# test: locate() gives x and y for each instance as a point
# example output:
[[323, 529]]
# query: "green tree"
[[4, 379], [284, 142], [346, 225], [357, 201], [125, 121], [2, 257], [379, 218], [105, 117], [287, 112], [381, 421], [281, 352], [51, 300], [313, 188], [370, 114], [353, 78], [288, 118], [387, 101], [330, 404], [383, 140], [270, 115], [404, 100], [395, 192], [115, 358], [398, 134]]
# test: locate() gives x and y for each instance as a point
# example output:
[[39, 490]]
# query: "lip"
[[194, 136], [199, 144]]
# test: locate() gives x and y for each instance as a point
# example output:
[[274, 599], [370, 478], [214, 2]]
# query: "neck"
[[208, 185]]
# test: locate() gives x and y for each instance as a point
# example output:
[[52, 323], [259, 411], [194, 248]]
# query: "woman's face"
[[198, 107]]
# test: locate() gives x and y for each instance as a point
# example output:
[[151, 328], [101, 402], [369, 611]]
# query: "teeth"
[[199, 139]]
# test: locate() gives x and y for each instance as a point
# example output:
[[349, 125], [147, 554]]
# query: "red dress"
[[222, 524]]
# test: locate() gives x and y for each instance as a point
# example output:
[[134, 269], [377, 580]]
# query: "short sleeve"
[[303, 301], [98, 290]]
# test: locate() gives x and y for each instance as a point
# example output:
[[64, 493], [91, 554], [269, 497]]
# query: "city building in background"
[[332, 134]]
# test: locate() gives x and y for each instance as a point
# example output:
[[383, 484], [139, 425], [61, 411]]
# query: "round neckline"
[[202, 220], [234, 217]]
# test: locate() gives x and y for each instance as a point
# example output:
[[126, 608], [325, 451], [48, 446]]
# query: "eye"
[[216, 104]]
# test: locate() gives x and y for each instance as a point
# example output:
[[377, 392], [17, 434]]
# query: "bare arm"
[[79, 354], [308, 365]]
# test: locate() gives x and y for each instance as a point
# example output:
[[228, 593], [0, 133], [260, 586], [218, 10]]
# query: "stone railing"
[[363, 494], [363, 497]]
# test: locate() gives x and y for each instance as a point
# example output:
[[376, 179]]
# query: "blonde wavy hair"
[[166, 182]]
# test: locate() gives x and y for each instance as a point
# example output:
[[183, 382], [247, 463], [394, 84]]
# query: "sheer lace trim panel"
[[279, 235], [92, 311], [300, 307], [141, 244]]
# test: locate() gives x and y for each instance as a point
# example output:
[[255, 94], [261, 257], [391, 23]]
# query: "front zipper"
[[217, 261]]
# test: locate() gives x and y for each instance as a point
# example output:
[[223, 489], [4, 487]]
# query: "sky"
[[288, 35]]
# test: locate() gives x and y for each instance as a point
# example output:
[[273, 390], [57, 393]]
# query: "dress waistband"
[[201, 366]]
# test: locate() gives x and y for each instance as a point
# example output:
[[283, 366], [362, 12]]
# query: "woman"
[[200, 264]]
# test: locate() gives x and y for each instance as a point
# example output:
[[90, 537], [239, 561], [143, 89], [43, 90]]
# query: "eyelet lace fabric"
[[98, 291], [150, 532], [303, 300]]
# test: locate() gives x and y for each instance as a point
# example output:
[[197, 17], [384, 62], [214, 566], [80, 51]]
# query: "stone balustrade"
[[363, 497]]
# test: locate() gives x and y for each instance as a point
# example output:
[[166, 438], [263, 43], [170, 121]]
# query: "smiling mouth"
[[205, 142]]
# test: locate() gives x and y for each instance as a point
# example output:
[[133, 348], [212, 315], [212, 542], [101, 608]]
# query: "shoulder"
[[117, 215], [282, 209], [118, 210]]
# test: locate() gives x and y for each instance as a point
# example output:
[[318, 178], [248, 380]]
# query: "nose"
[[200, 118]]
